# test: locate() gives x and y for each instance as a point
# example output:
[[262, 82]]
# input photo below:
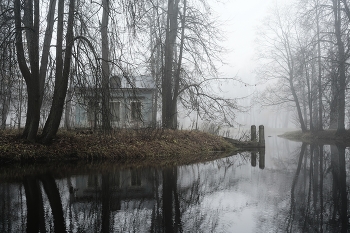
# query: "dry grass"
[[146, 145]]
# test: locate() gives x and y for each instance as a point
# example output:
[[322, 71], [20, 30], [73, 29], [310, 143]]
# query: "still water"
[[289, 187]]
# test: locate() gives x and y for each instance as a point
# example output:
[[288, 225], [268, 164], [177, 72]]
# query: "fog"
[[241, 21], [252, 63]]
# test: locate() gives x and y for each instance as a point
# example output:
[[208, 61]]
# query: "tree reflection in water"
[[34, 201], [194, 198], [319, 198]]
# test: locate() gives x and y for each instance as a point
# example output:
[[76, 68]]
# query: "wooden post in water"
[[261, 136], [253, 133], [262, 158], [253, 159]]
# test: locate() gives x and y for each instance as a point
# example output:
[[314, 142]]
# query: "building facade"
[[130, 107]]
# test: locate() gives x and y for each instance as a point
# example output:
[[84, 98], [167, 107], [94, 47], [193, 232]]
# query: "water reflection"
[[302, 190], [319, 190], [34, 203], [261, 157]]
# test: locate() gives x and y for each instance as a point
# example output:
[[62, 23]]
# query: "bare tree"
[[34, 75], [341, 59], [185, 50], [280, 59], [8, 68], [62, 72], [105, 66], [167, 93]]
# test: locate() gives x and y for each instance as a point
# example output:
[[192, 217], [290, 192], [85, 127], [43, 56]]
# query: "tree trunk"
[[62, 73], [5, 85], [305, 104], [31, 76], [309, 96], [320, 120], [296, 100], [333, 105], [106, 123], [34, 77], [20, 103], [341, 66], [67, 111], [6, 97], [167, 79], [155, 61], [46, 47], [178, 69]]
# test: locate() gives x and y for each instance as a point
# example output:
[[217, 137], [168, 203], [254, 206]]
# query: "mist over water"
[[289, 188]]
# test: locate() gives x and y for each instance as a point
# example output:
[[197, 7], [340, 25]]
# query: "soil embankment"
[[144, 146]]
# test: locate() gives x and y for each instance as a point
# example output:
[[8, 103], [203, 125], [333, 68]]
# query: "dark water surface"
[[288, 188]]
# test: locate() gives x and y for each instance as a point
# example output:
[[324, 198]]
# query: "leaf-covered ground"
[[147, 145]]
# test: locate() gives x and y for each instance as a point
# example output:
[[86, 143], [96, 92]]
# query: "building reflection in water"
[[176, 199]]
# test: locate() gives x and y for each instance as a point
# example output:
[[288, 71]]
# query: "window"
[[136, 111], [115, 111]]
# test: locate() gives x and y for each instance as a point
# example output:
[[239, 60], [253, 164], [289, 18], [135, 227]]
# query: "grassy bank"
[[319, 137], [151, 146]]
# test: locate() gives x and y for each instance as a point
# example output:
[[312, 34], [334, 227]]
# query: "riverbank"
[[320, 137], [144, 146]]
